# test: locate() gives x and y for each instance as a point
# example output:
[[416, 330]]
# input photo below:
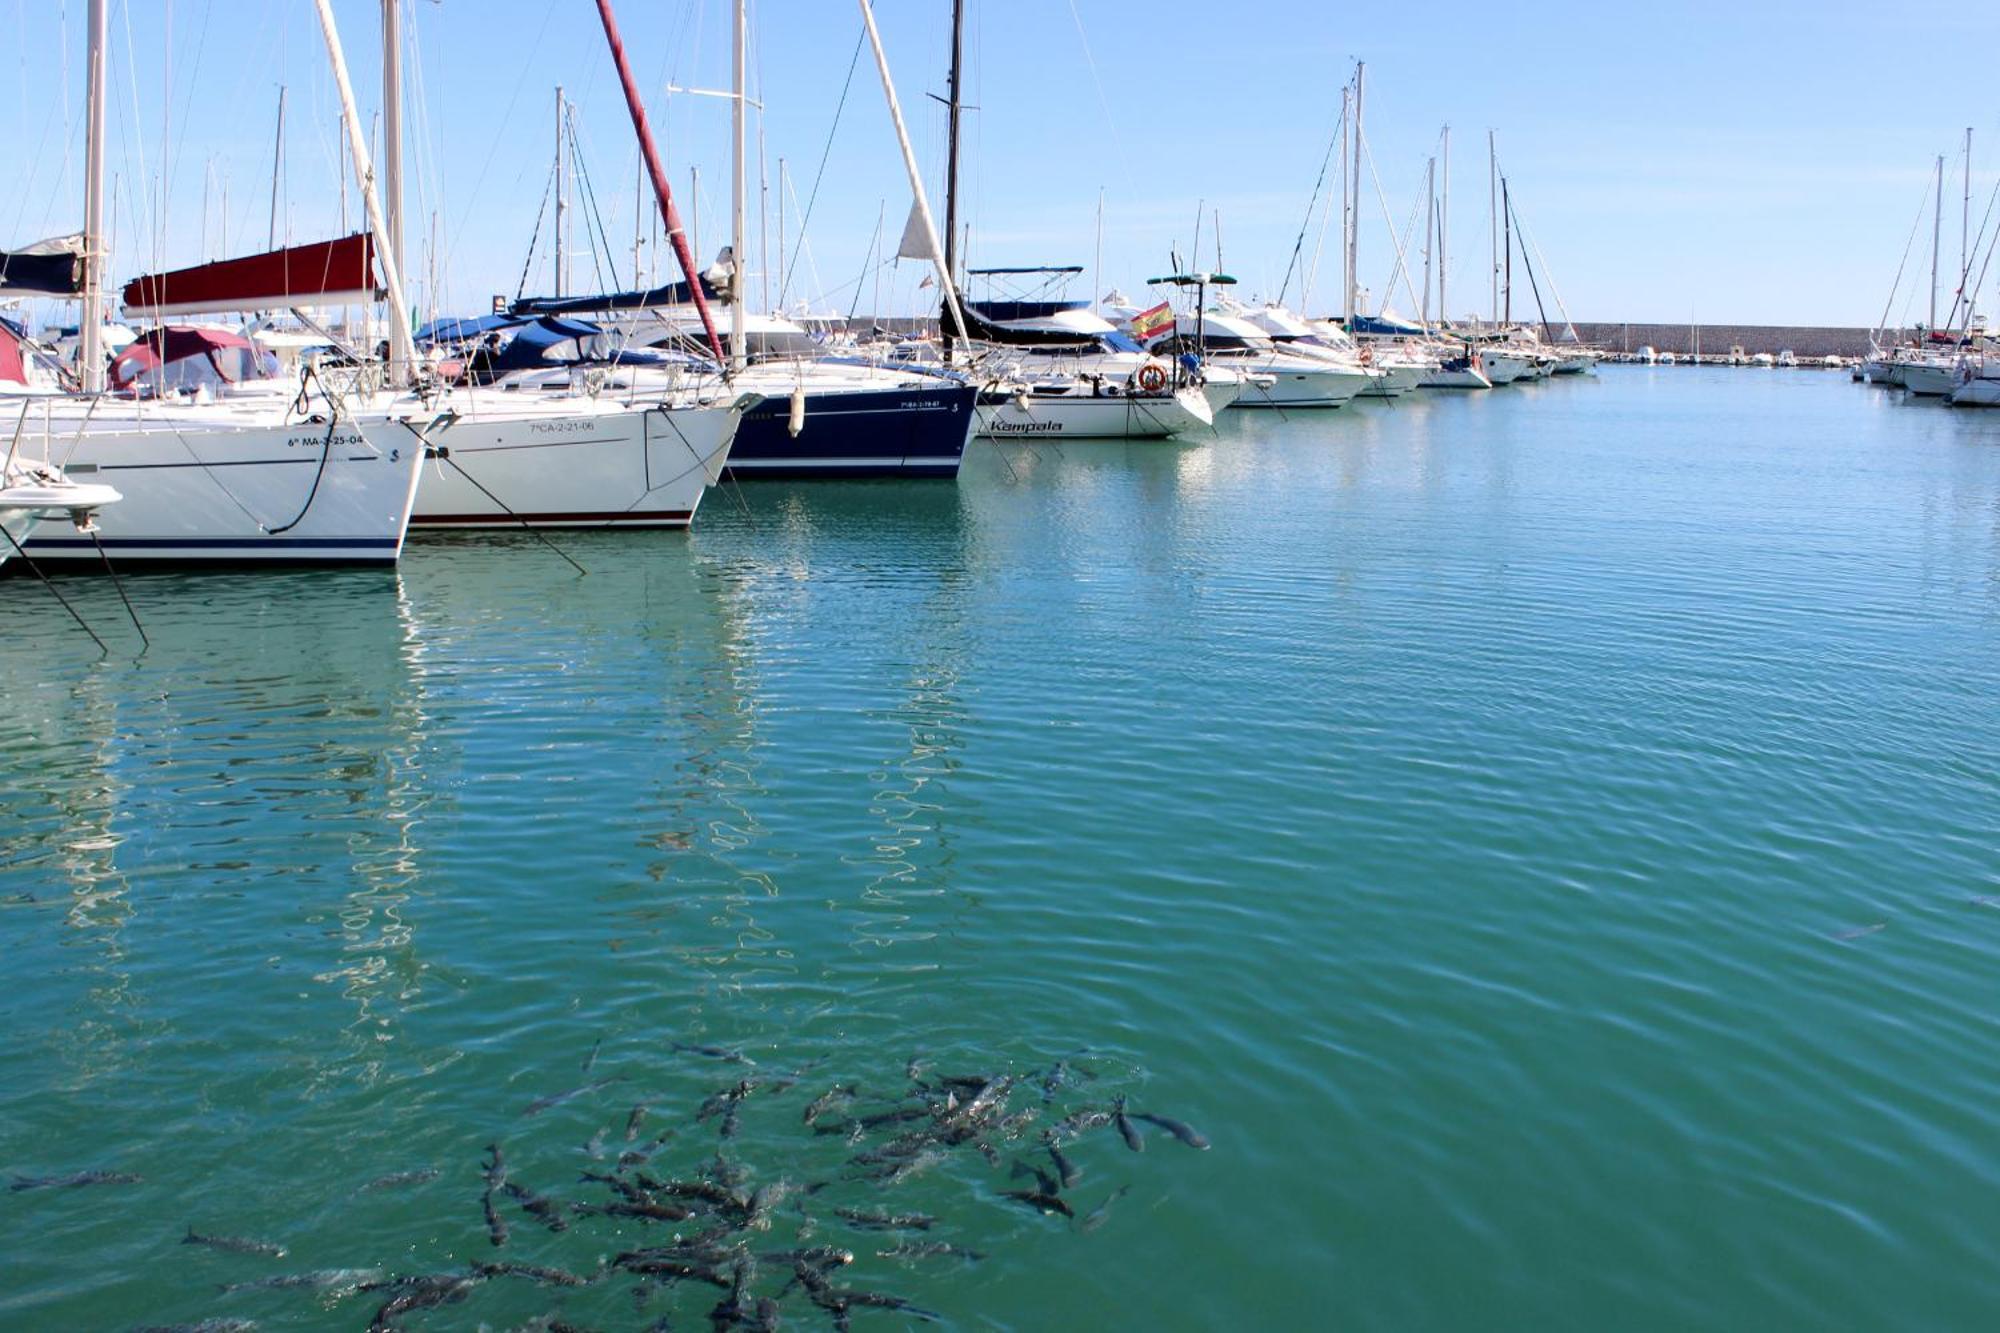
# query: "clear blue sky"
[[1726, 162]]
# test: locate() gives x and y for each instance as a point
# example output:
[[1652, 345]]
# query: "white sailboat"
[[215, 462]]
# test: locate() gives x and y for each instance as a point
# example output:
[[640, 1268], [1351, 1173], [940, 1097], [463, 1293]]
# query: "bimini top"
[[180, 357]]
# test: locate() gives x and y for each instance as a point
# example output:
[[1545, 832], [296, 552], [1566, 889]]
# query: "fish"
[[1065, 1169], [75, 1180], [1858, 931], [714, 1052], [930, 1249], [1097, 1216], [202, 1326], [539, 1207], [399, 1179], [725, 1099], [763, 1201], [591, 1059], [1133, 1138], [881, 1300], [496, 1179], [820, 1104], [554, 1099], [548, 1277], [1054, 1079], [881, 1220], [1181, 1130], [595, 1148], [916, 1067], [896, 1115], [235, 1244], [634, 1120], [324, 1279], [423, 1293], [649, 1211], [1039, 1200], [1044, 1182], [730, 1120], [1077, 1122]]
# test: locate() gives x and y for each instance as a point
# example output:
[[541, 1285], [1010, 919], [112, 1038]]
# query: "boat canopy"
[[535, 344], [47, 268], [13, 360], [338, 272], [178, 357]]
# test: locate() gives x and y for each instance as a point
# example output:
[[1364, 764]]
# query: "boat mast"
[[668, 214], [1965, 221], [277, 166], [1493, 219], [392, 167], [402, 348], [1507, 226], [562, 203], [1354, 230], [1430, 219], [956, 107], [737, 346], [392, 126], [781, 234], [1346, 195], [1444, 228], [923, 203], [1937, 231], [91, 348]]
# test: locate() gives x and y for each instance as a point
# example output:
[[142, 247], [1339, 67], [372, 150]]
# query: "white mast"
[[1354, 232], [944, 277], [1965, 219], [1444, 228], [1430, 223], [392, 163], [392, 127], [91, 350], [1937, 233], [562, 202], [277, 166], [783, 253], [738, 349], [1493, 219], [402, 348]]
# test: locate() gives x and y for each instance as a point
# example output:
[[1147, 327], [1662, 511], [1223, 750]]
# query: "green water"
[[1463, 811]]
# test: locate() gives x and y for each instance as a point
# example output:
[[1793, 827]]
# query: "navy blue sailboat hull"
[[865, 433]]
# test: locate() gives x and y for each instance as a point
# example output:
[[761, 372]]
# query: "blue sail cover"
[[1383, 326], [672, 294], [529, 349], [465, 330]]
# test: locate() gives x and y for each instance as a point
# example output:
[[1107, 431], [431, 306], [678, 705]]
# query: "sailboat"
[[215, 460]]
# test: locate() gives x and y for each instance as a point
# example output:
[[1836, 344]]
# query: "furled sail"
[[339, 272]]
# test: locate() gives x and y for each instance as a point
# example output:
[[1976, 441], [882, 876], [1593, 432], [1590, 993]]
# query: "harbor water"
[[1546, 840]]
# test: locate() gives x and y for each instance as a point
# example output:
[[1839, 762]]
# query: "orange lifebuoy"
[[1367, 354], [1152, 377]]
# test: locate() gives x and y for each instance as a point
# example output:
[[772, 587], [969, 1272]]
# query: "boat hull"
[[591, 465], [1292, 386], [1093, 417], [196, 493], [896, 432]]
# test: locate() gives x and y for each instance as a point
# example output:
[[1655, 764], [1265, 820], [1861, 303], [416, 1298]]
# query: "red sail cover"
[[338, 272]]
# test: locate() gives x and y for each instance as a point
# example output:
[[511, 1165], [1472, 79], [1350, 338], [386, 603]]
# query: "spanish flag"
[[1150, 323]]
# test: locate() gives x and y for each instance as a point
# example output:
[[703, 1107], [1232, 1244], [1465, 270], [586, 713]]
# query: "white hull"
[[1083, 416], [195, 489], [580, 463], [1393, 381], [1466, 377], [1502, 367], [1296, 385], [1929, 381], [1980, 392]]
